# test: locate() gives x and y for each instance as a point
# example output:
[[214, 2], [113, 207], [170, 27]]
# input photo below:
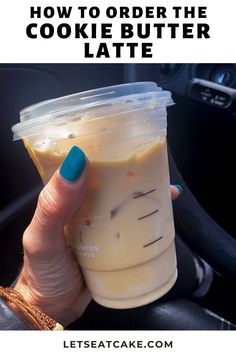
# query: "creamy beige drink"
[[123, 234]]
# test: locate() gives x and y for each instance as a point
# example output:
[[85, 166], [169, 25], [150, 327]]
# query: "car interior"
[[201, 142]]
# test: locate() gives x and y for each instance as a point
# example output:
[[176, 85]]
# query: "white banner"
[[85, 31], [108, 342]]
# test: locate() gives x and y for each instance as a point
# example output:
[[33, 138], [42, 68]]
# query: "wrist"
[[52, 307], [19, 310]]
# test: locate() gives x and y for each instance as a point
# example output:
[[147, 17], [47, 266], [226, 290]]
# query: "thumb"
[[56, 204]]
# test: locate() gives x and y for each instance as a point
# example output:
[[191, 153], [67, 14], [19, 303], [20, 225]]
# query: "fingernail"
[[73, 165], [179, 188]]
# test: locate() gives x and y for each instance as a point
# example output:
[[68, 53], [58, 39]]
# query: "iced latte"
[[123, 234]]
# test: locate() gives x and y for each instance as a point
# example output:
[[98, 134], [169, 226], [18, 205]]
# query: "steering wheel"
[[199, 231], [202, 234]]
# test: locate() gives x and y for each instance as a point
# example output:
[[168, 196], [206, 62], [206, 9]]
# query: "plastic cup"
[[123, 234]]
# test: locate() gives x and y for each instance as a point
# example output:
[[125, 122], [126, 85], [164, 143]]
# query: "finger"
[[82, 302], [78, 308], [58, 201], [176, 190]]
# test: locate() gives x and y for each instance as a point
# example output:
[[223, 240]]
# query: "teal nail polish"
[[179, 188], [73, 165]]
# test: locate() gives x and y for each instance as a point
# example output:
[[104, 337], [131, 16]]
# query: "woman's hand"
[[50, 278]]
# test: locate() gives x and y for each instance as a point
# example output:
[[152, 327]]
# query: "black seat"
[[181, 314]]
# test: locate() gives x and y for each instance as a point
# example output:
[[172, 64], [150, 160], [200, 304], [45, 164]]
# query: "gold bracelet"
[[31, 315]]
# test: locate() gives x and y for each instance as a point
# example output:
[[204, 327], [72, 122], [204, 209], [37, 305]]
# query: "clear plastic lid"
[[93, 104]]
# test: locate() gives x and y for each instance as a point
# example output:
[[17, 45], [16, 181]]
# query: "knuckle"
[[48, 207], [29, 246]]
